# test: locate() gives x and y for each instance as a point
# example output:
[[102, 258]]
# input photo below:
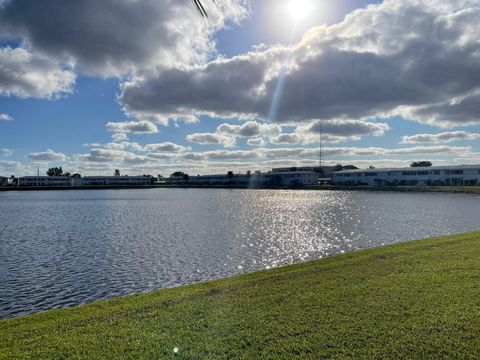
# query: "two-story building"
[[435, 175]]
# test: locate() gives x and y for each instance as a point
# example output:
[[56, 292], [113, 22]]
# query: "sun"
[[299, 9]]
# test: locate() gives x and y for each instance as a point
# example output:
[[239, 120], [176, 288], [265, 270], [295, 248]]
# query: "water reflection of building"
[[436, 175]]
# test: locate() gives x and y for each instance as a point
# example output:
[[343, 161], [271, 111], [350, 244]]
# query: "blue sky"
[[390, 83]]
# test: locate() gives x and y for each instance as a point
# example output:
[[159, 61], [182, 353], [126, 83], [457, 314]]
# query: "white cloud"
[[410, 58], [445, 137], [10, 167], [211, 138], [256, 141], [6, 152], [332, 131], [119, 136], [5, 117], [118, 37], [24, 74], [249, 129], [48, 156], [168, 147], [135, 127]]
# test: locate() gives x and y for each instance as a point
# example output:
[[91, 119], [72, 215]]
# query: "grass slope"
[[412, 300]]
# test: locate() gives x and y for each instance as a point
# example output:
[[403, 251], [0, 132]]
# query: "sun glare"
[[299, 9]]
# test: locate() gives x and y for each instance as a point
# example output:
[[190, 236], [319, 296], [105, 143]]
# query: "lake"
[[64, 248]]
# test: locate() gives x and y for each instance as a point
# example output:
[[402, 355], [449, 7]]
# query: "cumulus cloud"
[[119, 137], [249, 129], [6, 152], [117, 37], [24, 74], [10, 166], [47, 156], [445, 137], [409, 58], [256, 141], [331, 131], [103, 156], [226, 134], [211, 138], [167, 147], [5, 117], [135, 127]]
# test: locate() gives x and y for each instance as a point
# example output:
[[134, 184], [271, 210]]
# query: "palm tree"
[[200, 8]]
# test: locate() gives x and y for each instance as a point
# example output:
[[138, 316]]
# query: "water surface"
[[64, 248]]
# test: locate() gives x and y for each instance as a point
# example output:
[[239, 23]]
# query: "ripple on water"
[[59, 249]]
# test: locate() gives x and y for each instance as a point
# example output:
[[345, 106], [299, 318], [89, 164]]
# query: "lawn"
[[415, 300]]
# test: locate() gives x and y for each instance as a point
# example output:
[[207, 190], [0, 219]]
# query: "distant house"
[[44, 181], [290, 178], [3, 181], [436, 175], [114, 180], [85, 181]]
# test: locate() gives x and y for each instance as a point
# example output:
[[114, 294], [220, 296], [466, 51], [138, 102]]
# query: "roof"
[[451, 167]]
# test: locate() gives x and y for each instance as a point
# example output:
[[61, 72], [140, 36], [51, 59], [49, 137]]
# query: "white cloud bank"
[[102, 38], [47, 156], [416, 58]]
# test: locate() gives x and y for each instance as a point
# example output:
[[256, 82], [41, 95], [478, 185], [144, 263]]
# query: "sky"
[[151, 87]]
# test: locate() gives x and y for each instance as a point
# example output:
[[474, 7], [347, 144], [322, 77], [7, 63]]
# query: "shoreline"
[[437, 189], [414, 299]]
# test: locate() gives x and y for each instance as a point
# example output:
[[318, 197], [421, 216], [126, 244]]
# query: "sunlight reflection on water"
[[64, 248]]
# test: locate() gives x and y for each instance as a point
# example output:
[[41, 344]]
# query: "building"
[[85, 181], [435, 175], [3, 181], [114, 180], [325, 171], [44, 181], [290, 178]]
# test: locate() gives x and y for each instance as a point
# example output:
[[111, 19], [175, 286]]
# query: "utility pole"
[[320, 141]]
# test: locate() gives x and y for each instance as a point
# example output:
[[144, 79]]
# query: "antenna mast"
[[320, 141]]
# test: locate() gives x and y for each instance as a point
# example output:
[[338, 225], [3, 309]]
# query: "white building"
[[291, 178], [85, 181], [435, 175], [44, 181], [114, 180]]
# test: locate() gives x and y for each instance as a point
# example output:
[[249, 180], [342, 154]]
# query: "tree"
[[55, 171], [371, 167], [421, 164], [67, 174], [338, 167], [117, 172], [350, 167], [186, 177], [177, 174], [230, 174]]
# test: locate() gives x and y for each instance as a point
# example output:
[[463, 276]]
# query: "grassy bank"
[[418, 299]]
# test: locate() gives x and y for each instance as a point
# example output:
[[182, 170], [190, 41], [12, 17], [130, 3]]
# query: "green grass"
[[415, 300]]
